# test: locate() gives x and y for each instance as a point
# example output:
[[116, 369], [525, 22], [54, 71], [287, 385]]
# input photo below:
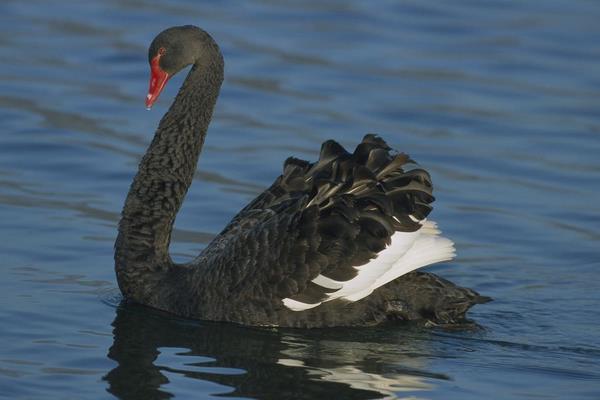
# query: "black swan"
[[330, 243]]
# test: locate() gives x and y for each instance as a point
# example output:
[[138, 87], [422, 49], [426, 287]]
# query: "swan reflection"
[[159, 356]]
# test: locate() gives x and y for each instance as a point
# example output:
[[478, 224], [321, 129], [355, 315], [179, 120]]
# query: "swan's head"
[[174, 49]]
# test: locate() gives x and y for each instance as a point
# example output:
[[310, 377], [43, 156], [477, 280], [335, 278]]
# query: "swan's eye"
[[162, 51]]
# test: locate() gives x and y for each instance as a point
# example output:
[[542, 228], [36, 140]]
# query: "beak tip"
[[149, 101]]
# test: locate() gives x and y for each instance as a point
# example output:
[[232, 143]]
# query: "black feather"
[[331, 149], [376, 140]]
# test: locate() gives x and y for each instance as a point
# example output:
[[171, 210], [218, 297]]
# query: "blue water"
[[498, 99]]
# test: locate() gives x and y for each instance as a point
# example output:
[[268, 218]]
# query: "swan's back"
[[329, 232]]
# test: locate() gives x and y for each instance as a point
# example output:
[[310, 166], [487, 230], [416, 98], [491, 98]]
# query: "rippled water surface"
[[498, 99]]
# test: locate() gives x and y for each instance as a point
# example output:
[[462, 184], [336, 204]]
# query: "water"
[[499, 100]]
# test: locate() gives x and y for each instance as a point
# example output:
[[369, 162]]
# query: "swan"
[[329, 243]]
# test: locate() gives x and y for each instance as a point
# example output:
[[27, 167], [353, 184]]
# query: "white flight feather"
[[327, 283], [368, 273], [426, 250], [298, 305], [407, 252]]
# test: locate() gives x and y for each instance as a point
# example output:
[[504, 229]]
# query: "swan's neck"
[[158, 190]]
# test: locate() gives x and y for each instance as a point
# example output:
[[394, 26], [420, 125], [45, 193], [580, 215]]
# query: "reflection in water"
[[153, 349]]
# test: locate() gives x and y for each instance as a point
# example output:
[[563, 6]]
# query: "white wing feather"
[[407, 252]]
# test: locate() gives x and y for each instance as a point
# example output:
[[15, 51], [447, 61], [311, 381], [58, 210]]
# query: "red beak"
[[158, 79]]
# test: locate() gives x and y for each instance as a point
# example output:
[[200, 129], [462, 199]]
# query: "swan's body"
[[323, 246]]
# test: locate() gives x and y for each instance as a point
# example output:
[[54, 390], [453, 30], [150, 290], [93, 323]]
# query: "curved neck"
[[165, 173]]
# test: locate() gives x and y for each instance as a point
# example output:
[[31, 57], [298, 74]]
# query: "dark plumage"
[[294, 245]]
